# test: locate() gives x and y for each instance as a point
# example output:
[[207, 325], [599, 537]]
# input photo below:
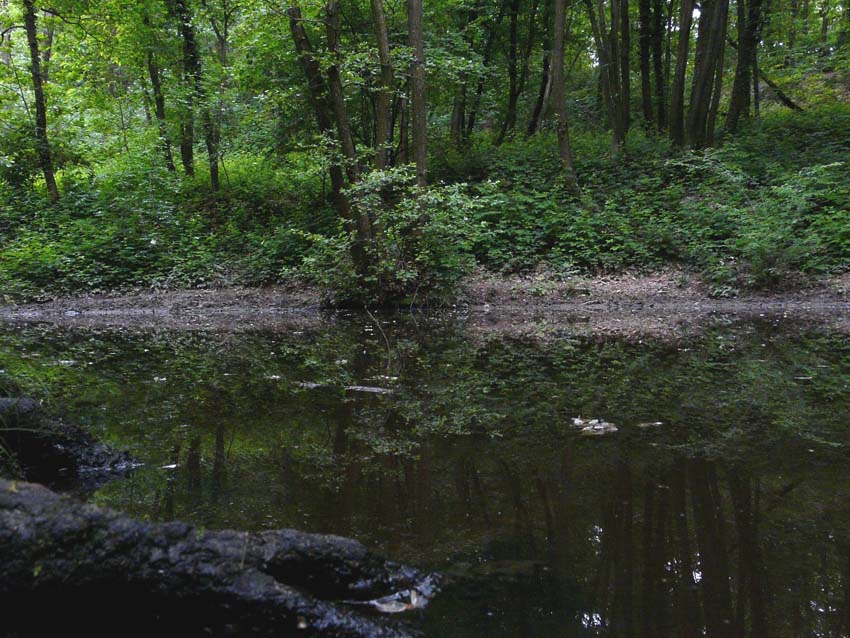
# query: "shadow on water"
[[730, 518]]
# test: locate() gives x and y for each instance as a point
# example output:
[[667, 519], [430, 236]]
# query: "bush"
[[422, 244]]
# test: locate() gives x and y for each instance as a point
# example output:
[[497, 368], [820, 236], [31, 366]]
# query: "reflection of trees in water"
[[686, 548], [655, 545]]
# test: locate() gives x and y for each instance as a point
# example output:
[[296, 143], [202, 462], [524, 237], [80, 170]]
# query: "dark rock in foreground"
[[82, 564]]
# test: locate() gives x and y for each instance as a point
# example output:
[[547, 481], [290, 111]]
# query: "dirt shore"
[[663, 304]]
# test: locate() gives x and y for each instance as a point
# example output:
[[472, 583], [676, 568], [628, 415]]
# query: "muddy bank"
[[666, 304]]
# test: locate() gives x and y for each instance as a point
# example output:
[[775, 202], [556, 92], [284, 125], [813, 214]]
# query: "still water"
[[456, 452]]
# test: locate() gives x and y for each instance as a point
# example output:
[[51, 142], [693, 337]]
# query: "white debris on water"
[[594, 427]]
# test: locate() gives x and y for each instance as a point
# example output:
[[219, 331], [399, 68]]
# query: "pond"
[[719, 507]]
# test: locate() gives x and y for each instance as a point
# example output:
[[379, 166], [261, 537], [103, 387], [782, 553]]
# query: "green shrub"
[[422, 244]]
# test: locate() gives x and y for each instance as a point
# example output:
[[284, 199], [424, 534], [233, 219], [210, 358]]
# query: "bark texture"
[[418, 106], [42, 144]]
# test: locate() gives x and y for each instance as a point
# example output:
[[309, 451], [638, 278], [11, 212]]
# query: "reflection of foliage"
[[470, 458]]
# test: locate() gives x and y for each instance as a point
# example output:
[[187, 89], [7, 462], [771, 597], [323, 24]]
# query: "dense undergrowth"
[[766, 209]]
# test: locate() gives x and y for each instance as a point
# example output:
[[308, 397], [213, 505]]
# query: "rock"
[[80, 561]]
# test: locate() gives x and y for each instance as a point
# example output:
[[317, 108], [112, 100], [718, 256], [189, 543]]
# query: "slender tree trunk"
[[337, 96], [194, 80], [658, 37], [383, 112], [45, 158], [608, 43], [671, 7], [625, 67], [187, 107], [318, 95], [159, 105], [488, 49], [792, 24], [416, 41], [530, 40], [677, 94], [362, 222], [805, 17], [545, 75], [645, 41], [458, 114], [720, 56], [404, 127], [749, 23], [824, 21], [513, 81], [559, 95], [756, 94], [708, 72], [5, 39]]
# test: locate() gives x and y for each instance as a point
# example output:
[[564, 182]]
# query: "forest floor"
[[661, 305]]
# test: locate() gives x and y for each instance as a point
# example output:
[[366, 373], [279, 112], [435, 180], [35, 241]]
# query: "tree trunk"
[[559, 96], [416, 41], [824, 21], [756, 93], [360, 218], [318, 96], [194, 81], [792, 23], [645, 40], [5, 40], [383, 112], [545, 75], [625, 67], [749, 27], [677, 93], [708, 72], [45, 158], [458, 114], [488, 48], [513, 94], [612, 47], [403, 155], [720, 56], [659, 34], [805, 17], [159, 104]]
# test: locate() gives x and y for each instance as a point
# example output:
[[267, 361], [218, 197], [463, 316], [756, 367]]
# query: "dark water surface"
[[731, 518]]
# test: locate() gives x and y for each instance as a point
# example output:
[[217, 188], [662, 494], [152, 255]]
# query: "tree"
[[196, 93], [708, 73], [158, 98], [559, 95], [416, 41], [677, 94], [613, 46], [383, 112], [746, 69], [42, 143]]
